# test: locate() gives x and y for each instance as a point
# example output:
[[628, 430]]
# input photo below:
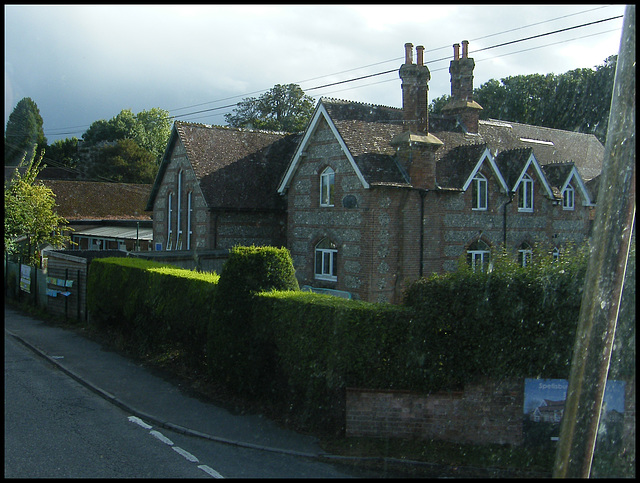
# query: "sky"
[[80, 64]]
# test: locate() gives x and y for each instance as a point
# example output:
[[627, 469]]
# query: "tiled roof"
[[511, 162], [367, 130], [87, 200], [454, 168], [237, 168]]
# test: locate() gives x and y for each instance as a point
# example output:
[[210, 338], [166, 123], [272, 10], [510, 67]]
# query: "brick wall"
[[487, 412]]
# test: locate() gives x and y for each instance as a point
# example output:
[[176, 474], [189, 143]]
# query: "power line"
[[391, 70]]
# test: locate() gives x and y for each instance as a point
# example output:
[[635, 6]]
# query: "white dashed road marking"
[[139, 422], [210, 471], [161, 437], [185, 454]]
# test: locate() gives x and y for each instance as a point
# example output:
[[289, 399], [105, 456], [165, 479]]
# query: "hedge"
[[239, 349], [152, 305]]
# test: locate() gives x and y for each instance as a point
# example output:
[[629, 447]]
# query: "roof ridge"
[[228, 128], [330, 99]]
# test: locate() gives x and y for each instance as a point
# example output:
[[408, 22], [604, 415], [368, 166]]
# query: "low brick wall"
[[487, 412]]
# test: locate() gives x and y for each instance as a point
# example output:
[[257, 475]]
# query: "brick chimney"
[[462, 106], [415, 147]]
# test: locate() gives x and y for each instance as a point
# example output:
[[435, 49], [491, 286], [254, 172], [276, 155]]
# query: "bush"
[[240, 352], [324, 344], [152, 306]]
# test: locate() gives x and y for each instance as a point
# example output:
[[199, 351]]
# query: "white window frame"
[[327, 268], [481, 255], [189, 218], [568, 198], [480, 197], [327, 187], [169, 219], [525, 194], [525, 254], [179, 212]]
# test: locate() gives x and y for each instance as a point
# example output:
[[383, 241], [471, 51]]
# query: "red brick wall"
[[483, 413]]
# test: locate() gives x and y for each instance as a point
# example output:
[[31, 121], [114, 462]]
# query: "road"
[[56, 427]]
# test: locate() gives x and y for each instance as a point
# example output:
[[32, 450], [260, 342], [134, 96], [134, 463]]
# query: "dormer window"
[[327, 180], [568, 198], [326, 254], [479, 192], [525, 194]]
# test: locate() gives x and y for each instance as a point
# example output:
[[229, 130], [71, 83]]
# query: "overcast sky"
[[84, 63]]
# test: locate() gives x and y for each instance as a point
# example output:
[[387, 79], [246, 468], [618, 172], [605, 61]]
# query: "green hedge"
[[239, 350], [152, 305], [267, 338], [323, 344]]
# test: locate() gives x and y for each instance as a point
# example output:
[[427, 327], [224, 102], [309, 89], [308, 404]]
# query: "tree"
[[578, 100], [29, 211], [23, 136], [63, 153], [122, 161], [282, 108], [149, 129]]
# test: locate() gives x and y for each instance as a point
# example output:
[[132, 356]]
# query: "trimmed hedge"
[[323, 344], [152, 305], [239, 349], [266, 338]]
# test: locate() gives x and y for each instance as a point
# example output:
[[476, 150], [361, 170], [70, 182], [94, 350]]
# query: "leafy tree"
[[23, 135], [149, 129], [29, 211], [282, 108], [63, 152], [578, 100], [122, 161]]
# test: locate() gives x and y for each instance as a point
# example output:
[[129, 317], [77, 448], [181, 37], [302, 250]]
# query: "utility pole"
[[604, 282]]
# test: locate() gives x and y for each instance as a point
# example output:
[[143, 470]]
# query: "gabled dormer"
[[522, 173], [566, 182], [468, 167]]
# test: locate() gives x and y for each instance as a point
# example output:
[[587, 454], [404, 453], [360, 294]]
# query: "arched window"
[[327, 180], [478, 256], [179, 213], [169, 220], [189, 218], [525, 254], [326, 258], [568, 196], [525, 194], [479, 192]]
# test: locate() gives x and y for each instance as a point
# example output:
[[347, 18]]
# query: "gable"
[[236, 169], [320, 115], [561, 175]]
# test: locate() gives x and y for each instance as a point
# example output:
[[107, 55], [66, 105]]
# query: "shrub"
[[151, 305], [240, 353]]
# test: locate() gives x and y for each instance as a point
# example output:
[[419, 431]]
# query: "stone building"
[[216, 188], [371, 197], [379, 196]]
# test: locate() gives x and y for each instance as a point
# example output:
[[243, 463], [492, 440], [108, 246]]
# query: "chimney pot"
[[465, 49], [408, 53], [456, 51], [420, 50]]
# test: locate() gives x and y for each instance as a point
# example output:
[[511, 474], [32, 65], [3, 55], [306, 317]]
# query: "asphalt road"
[[57, 427]]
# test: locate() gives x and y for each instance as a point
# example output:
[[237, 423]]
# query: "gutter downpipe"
[[504, 220], [423, 194]]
